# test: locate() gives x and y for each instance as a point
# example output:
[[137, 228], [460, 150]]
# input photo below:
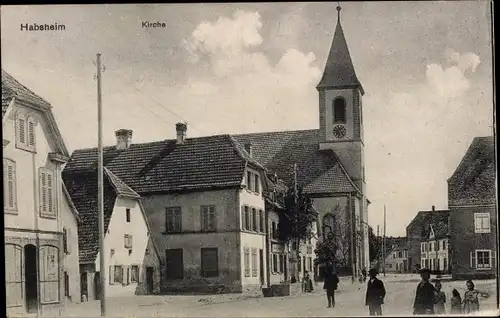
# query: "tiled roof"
[[12, 88], [120, 187], [72, 206], [339, 69], [474, 179], [440, 228], [438, 219], [82, 187], [317, 171], [164, 166]]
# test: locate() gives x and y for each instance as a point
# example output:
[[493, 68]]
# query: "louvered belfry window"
[[47, 193]]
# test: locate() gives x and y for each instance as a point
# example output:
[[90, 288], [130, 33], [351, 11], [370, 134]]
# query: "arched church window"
[[339, 110], [328, 225]]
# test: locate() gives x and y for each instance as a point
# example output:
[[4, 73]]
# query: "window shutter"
[[50, 193], [111, 274], [68, 240], [493, 259], [22, 130], [139, 277], [124, 275], [473, 259], [43, 191], [11, 185], [31, 133]]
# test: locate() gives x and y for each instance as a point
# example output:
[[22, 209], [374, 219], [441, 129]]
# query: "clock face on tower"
[[339, 131]]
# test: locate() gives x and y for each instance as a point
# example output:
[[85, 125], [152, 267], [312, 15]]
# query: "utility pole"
[[384, 235], [100, 187], [296, 219], [378, 252]]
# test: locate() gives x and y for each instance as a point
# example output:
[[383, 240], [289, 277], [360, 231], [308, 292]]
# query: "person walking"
[[364, 273], [307, 285], [375, 293], [439, 308], [425, 296], [471, 299], [331, 284], [456, 302]]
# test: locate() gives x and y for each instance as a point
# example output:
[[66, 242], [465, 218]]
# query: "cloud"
[[242, 82]]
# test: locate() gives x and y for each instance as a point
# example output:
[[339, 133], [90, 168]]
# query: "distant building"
[[473, 222], [435, 248], [397, 259], [39, 222], [418, 231], [131, 258]]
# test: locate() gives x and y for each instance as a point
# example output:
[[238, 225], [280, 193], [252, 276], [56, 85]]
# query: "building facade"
[[397, 259], [473, 217], [35, 213], [434, 253], [418, 231], [132, 265]]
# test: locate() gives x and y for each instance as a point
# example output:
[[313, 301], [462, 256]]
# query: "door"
[[285, 267], [83, 285], [97, 286], [30, 278], [175, 264], [66, 284], [149, 279], [261, 258]]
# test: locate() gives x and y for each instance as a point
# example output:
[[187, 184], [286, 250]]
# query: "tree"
[[295, 225], [375, 244]]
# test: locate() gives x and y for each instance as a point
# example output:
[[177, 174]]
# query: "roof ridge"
[[111, 178], [239, 151], [275, 132]]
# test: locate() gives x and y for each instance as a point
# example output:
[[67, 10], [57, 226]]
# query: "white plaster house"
[[435, 249], [131, 258], [36, 211]]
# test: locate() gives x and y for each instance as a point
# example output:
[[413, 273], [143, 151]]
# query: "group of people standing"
[[429, 298]]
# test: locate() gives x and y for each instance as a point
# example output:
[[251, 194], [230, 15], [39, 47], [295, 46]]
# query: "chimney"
[[123, 138], [433, 208], [248, 148], [181, 129]]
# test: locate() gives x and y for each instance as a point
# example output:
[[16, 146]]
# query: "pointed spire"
[[339, 70]]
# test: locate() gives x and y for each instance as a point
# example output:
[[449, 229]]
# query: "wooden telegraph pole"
[[379, 250], [384, 236], [100, 187]]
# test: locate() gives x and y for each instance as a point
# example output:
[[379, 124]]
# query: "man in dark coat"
[[331, 284], [424, 295], [375, 293]]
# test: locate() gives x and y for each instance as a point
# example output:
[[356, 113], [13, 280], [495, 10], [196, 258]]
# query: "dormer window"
[[25, 132], [339, 111]]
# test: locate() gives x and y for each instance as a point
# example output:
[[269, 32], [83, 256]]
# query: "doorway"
[[30, 278], [83, 286], [97, 286], [149, 280]]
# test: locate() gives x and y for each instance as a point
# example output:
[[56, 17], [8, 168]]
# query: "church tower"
[[340, 108], [341, 128]]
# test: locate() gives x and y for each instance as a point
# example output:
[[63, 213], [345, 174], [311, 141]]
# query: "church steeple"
[[339, 70]]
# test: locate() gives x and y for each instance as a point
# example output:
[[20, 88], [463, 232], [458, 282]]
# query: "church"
[[206, 198]]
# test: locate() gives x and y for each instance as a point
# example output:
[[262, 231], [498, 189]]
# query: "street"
[[349, 302]]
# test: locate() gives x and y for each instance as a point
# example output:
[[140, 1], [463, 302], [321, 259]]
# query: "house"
[[473, 212], [131, 256], [397, 259], [435, 248], [39, 270], [418, 231]]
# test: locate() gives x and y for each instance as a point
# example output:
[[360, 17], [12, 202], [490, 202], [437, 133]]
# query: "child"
[[456, 303], [471, 299], [440, 299]]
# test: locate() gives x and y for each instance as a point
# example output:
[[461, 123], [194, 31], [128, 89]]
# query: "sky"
[[426, 68]]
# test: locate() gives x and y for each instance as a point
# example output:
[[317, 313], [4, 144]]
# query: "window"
[[128, 241], [47, 193], [254, 262], [31, 133], [209, 262], [208, 218], [339, 110], [21, 128], [309, 264], [65, 241], [445, 264], [118, 277], [328, 225], [173, 219], [482, 222], [244, 218], [257, 183], [422, 247], [443, 245], [274, 230], [282, 263], [255, 223], [262, 221], [249, 181], [66, 284], [246, 260], [49, 274], [250, 223], [394, 255], [9, 186], [25, 132], [174, 263], [134, 274], [127, 215], [483, 259], [275, 263]]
